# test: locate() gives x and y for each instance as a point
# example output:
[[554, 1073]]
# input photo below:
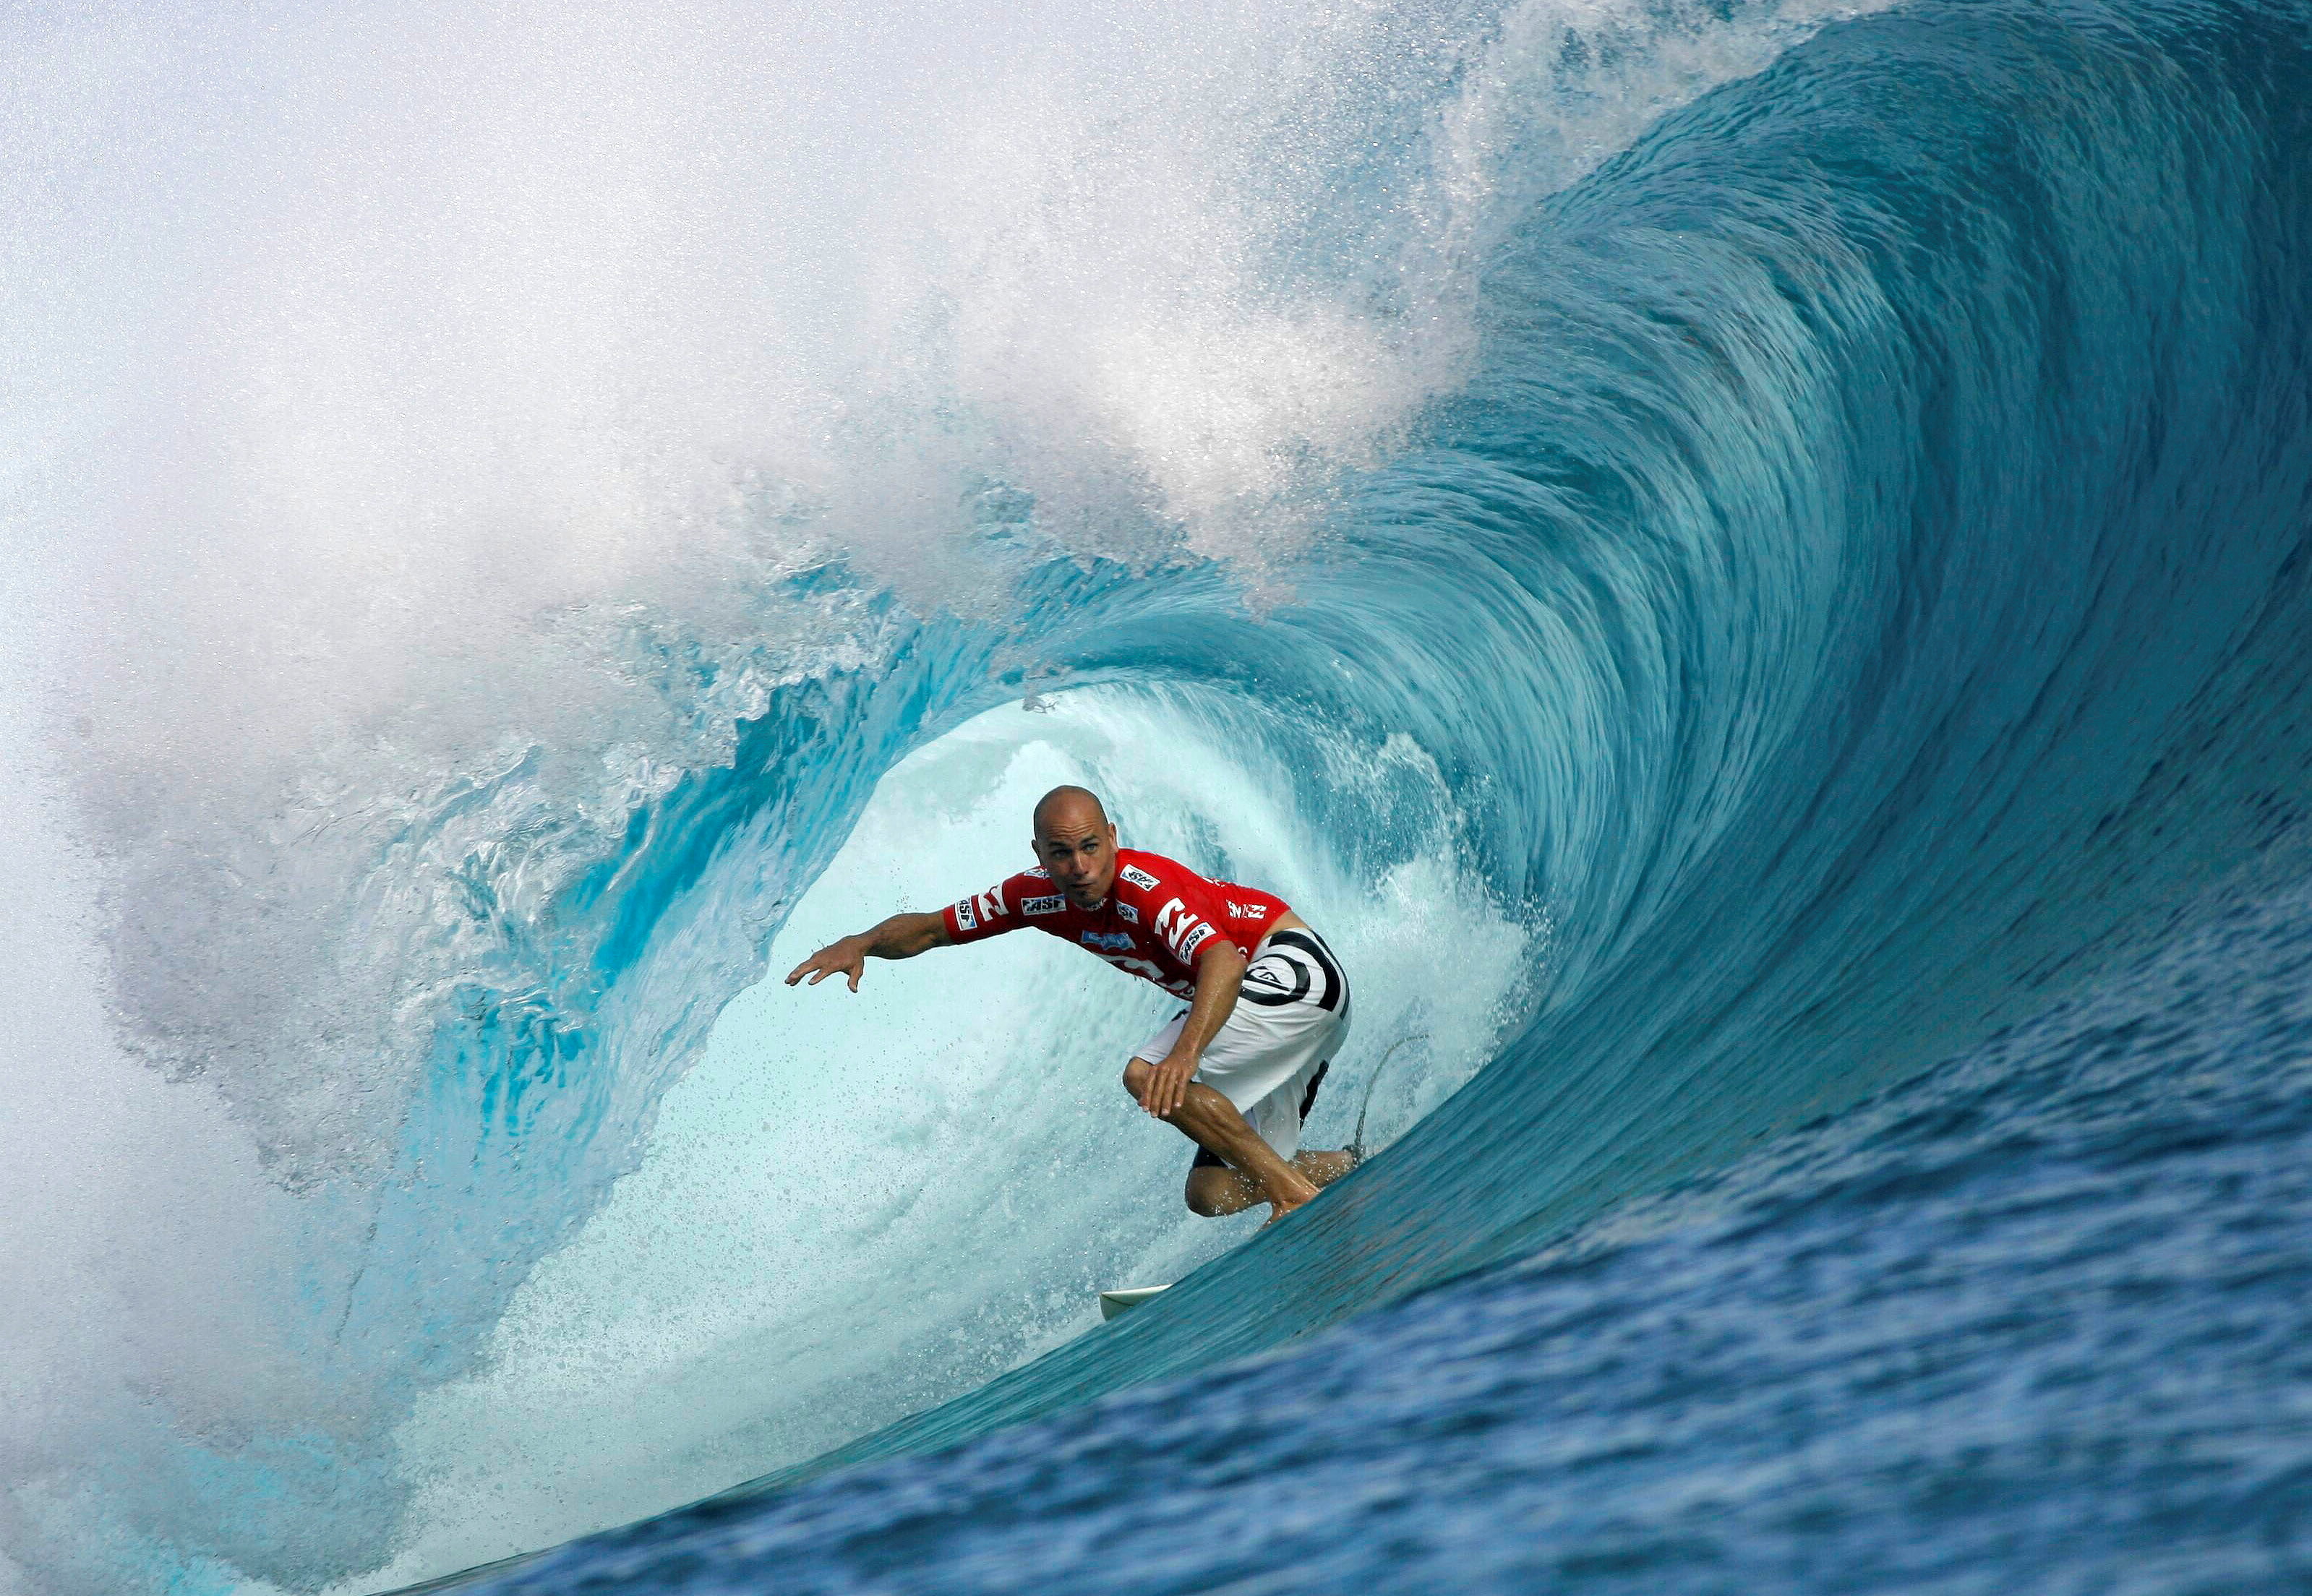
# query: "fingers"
[[1168, 1089], [1164, 1088], [819, 967]]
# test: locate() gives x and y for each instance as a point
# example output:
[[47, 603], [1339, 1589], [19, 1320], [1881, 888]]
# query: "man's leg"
[[1211, 1121], [1216, 1192]]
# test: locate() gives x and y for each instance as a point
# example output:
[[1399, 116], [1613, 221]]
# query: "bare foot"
[[1278, 1206]]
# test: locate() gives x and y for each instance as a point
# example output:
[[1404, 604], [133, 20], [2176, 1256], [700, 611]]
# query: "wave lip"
[[1865, 585], [1861, 598], [1856, 597]]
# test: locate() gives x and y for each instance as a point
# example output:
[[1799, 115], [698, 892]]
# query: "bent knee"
[[1206, 1199], [1135, 1074], [1215, 1193]]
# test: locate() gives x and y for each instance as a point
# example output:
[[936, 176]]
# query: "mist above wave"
[[442, 437]]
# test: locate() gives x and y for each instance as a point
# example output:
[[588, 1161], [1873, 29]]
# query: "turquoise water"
[[1862, 595], [1747, 567], [2036, 1318]]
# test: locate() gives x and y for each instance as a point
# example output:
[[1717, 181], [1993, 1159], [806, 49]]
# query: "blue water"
[[1859, 603], [2034, 1320], [1750, 566]]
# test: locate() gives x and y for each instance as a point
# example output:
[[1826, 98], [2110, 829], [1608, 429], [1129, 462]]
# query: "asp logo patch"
[[1140, 878], [966, 917], [1125, 912], [1051, 905]]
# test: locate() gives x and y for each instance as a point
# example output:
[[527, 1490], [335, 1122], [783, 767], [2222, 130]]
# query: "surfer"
[[1237, 1071]]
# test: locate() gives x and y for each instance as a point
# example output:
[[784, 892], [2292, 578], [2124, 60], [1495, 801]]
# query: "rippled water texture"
[[1749, 565], [2034, 1320], [1866, 583]]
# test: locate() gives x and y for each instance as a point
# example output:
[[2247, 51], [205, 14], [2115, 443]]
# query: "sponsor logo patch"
[[1126, 911], [1051, 905], [1244, 910], [1108, 941], [1194, 941], [1175, 925], [963, 916], [1038, 872], [1140, 878]]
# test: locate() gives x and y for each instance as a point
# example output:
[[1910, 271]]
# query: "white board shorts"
[[1291, 1020]]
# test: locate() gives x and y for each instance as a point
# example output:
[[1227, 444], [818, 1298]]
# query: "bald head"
[[1069, 808], [1076, 844]]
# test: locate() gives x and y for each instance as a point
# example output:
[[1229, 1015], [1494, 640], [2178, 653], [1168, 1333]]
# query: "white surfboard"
[[1125, 1298]]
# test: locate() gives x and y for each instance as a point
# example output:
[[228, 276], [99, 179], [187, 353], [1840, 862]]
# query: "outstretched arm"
[[1219, 972], [901, 936]]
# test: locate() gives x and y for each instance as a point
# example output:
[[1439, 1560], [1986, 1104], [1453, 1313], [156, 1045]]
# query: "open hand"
[[847, 957], [1167, 1086]]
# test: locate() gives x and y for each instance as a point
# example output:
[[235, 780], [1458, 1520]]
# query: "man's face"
[[1079, 849]]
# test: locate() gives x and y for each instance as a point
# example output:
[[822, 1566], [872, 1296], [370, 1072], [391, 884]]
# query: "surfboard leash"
[[1357, 1141]]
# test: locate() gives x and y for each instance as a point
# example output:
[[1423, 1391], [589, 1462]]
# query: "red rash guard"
[[1157, 916]]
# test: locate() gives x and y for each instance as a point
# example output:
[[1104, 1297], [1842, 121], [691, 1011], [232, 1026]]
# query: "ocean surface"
[[1750, 566], [2034, 1320]]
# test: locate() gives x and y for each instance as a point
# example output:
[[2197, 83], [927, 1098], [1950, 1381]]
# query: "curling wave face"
[[1841, 589], [1862, 594]]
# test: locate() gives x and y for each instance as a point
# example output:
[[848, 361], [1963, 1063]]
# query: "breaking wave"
[[1723, 559]]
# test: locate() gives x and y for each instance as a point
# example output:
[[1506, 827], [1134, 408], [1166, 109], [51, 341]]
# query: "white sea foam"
[[413, 415]]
